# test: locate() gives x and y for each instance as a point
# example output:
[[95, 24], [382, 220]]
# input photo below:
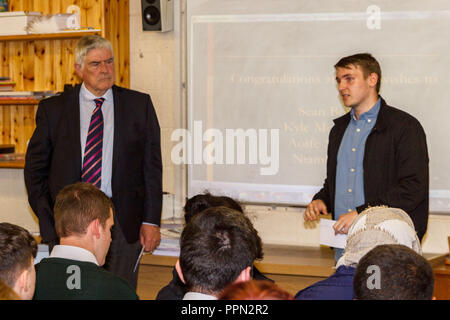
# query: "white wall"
[[14, 206], [155, 68]]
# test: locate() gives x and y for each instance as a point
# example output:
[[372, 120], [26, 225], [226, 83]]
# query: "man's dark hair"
[[77, 205], [404, 275], [366, 62], [216, 246], [201, 202], [17, 247]]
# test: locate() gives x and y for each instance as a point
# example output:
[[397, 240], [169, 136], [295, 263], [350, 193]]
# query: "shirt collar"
[[86, 95], [371, 114], [198, 296], [73, 253]]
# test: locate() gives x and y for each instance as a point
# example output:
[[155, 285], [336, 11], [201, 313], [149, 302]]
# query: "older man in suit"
[[105, 135]]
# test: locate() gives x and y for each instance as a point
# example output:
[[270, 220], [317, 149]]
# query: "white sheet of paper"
[[138, 259], [327, 236]]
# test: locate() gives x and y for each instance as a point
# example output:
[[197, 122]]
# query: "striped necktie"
[[92, 160]]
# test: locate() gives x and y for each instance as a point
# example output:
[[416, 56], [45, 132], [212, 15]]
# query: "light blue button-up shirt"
[[349, 170], [87, 106]]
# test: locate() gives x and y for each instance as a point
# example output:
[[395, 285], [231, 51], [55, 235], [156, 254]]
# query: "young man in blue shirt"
[[377, 154]]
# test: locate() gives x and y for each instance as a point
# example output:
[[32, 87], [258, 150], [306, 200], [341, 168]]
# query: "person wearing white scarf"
[[376, 226], [372, 227]]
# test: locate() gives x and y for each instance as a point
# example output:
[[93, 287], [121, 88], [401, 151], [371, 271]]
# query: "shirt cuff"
[[150, 224]]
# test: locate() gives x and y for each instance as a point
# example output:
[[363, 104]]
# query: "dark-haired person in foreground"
[[17, 252], [176, 289], [83, 222], [377, 154], [393, 272], [217, 248]]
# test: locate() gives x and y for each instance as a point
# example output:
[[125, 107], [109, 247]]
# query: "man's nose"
[[103, 67]]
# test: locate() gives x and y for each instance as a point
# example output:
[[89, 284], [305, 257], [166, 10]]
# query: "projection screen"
[[262, 93]]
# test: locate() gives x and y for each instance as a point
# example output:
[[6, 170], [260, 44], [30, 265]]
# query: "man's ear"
[[373, 79], [78, 70], [21, 286], [245, 275], [94, 228], [180, 273]]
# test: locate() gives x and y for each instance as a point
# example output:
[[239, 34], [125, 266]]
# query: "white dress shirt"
[[198, 296], [87, 106], [73, 253]]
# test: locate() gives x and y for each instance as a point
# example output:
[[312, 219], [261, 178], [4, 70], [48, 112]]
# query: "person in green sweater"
[[83, 220]]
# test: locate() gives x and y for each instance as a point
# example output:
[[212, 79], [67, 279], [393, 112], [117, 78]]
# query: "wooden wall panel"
[[6, 124], [4, 58], [117, 30], [2, 126], [47, 55], [17, 132], [17, 125], [92, 13], [68, 61], [28, 66], [49, 64]]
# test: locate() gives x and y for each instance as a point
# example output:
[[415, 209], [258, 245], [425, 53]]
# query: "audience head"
[[17, 252], [376, 226], [393, 272], [84, 217], [366, 62], [200, 202], [255, 290], [217, 247]]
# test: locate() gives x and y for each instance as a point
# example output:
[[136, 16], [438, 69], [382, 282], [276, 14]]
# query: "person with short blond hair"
[[84, 218], [77, 206]]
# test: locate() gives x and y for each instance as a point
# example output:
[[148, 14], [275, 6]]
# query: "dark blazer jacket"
[[395, 165], [53, 159], [338, 286]]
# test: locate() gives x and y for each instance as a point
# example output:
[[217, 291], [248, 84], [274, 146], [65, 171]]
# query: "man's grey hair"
[[87, 43]]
